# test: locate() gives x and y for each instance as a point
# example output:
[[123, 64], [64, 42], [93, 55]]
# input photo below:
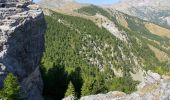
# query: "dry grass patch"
[[162, 56], [121, 20], [157, 30], [149, 88]]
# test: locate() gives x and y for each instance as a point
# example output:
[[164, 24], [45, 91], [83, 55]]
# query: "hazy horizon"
[[97, 2]]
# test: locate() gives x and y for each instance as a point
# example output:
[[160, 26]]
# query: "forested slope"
[[91, 58], [137, 29]]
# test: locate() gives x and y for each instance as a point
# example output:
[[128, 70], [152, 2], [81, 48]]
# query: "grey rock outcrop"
[[69, 98], [115, 95], [154, 87], [22, 27]]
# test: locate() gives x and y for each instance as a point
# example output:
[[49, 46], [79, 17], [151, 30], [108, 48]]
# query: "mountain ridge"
[[150, 10]]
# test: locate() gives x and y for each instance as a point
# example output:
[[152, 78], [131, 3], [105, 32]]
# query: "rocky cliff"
[[21, 44]]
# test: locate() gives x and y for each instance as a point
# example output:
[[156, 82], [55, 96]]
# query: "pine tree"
[[99, 84], [11, 88], [86, 88], [70, 90]]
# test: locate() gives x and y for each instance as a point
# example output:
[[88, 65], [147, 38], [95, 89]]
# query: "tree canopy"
[[11, 89]]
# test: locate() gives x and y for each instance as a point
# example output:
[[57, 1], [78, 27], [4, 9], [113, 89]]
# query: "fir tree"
[[87, 87], [11, 88], [70, 90]]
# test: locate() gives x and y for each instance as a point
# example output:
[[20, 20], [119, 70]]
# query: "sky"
[[98, 2], [36, 0]]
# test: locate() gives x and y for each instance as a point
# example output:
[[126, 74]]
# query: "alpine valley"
[[62, 49], [97, 49]]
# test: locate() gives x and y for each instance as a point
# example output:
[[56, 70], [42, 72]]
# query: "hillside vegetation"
[[134, 27], [80, 52]]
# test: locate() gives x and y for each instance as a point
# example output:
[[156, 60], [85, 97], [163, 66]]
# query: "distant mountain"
[[61, 5], [156, 11], [160, 4]]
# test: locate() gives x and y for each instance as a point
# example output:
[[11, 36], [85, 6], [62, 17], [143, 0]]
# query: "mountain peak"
[[136, 3]]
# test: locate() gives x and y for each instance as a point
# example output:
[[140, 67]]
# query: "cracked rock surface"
[[22, 28]]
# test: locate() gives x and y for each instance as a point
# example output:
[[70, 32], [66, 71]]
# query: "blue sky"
[[36, 0], [98, 2]]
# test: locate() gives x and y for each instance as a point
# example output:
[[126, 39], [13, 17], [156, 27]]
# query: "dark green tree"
[[99, 85], [87, 87], [11, 89], [70, 90]]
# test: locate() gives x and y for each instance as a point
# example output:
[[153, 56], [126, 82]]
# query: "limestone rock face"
[[22, 27], [69, 98], [115, 95]]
